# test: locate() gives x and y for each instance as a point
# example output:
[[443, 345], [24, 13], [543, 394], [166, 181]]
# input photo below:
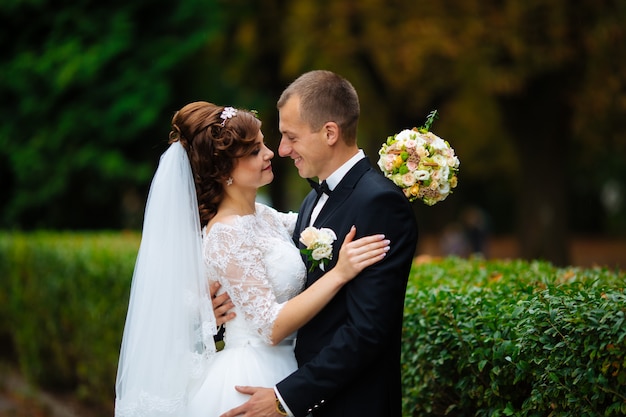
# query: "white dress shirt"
[[334, 179]]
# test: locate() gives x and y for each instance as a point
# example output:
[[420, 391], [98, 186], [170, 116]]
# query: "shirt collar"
[[336, 177]]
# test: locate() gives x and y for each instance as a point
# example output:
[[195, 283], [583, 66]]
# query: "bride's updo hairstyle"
[[214, 138]]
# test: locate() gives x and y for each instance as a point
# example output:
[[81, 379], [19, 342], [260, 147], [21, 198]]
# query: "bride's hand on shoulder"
[[356, 255]]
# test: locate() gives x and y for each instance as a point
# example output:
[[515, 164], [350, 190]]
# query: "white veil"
[[168, 336]]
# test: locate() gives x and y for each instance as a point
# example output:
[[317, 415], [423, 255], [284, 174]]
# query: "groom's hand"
[[262, 403], [221, 305]]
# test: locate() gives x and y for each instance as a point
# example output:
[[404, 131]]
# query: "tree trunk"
[[539, 119]]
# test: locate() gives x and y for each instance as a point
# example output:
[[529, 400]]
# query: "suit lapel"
[[304, 217], [340, 194], [307, 210], [342, 191]]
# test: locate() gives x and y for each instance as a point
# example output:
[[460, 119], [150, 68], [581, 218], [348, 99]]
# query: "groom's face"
[[307, 149]]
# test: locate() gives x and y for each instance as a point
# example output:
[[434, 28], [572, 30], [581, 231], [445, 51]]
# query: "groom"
[[349, 354]]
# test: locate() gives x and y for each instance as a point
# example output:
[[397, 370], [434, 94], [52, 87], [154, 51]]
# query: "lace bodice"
[[254, 259]]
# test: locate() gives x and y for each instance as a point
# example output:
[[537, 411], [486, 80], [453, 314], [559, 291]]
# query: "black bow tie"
[[319, 188]]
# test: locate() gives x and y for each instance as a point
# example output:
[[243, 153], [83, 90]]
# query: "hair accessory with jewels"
[[228, 113]]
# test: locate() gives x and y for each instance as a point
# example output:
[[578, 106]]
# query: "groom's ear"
[[331, 131]]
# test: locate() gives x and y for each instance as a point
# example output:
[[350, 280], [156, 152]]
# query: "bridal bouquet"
[[319, 246], [421, 163]]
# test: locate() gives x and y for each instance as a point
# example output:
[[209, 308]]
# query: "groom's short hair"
[[326, 97]]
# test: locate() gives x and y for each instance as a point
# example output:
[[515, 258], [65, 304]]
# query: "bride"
[[203, 225]]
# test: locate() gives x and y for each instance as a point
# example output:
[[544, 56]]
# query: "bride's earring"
[[229, 181]]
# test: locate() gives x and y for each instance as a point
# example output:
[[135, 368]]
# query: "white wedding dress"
[[255, 260]]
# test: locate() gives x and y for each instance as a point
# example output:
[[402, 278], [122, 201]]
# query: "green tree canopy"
[[532, 95], [86, 91]]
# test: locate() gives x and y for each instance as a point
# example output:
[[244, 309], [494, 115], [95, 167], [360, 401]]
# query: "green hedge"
[[480, 339], [514, 338], [63, 305]]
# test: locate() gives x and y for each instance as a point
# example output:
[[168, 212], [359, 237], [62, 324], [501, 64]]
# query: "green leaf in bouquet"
[[429, 122]]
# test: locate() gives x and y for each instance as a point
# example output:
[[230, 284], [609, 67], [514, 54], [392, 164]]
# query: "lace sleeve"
[[235, 258], [286, 220]]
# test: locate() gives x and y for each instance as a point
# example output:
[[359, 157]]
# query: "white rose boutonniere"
[[319, 246]]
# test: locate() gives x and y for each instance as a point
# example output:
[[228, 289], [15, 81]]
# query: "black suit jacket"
[[349, 354]]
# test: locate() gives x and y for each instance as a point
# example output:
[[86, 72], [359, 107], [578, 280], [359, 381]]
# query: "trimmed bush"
[[64, 305], [514, 338], [498, 338]]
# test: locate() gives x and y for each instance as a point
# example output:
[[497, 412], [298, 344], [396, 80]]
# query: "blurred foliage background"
[[531, 94]]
